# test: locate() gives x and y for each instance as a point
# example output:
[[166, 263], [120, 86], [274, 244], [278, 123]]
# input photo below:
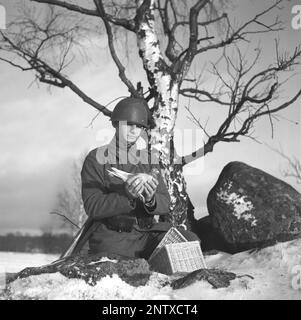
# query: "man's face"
[[129, 132]]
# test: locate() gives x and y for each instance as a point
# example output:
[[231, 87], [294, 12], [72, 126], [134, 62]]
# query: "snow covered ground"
[[276, 271], [16, 261]]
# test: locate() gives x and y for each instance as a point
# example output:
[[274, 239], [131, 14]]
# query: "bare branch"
[[63, 216], [197, 121], [232, 36], [69, 6], [16, 65], [128, 24], [193, 38], [203, 23], [47, 74], [98, 113], [196, 93], [118, 63], [33, 44], [245, 105], [294, 165]]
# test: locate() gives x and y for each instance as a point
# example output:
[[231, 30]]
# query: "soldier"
[[123, 212]]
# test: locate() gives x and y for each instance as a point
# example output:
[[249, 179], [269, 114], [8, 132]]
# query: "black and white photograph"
[[150, 150]]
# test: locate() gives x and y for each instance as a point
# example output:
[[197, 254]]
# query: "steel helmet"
[[132, 110]]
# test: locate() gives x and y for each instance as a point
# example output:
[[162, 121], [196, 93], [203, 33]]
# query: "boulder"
[[210, 238], [250, 208]]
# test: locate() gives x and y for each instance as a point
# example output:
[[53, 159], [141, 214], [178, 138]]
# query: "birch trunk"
[[166, 88]]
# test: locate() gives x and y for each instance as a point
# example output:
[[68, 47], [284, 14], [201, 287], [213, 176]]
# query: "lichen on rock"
[[241, 206]]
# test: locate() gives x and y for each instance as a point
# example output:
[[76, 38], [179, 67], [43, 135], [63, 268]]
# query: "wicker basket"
[[174, 254], [181, 257], [171, 236]]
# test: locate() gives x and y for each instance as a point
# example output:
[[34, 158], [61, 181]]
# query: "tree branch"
[[294, 170], [128, 24], [197, 121], [193, 38], [63, 216], [118, 63], [69, 6], [16, 65], [188, 54], [243, 103], [47, 74], [198, 92]]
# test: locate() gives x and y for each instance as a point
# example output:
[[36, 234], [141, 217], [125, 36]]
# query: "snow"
[[16, 261], [276, 271], [240, 205]]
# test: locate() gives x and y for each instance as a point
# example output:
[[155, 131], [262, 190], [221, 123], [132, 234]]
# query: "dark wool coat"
[[105, 202]]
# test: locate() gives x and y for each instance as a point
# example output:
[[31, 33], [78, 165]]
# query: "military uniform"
[[121, 225], [124, 227]]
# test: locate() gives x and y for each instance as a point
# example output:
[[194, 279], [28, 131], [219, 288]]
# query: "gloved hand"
[[134, 186], [141, 184], [150, 188]]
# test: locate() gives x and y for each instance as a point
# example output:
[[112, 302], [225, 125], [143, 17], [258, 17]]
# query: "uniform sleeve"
[[97, 202], [162, 199]]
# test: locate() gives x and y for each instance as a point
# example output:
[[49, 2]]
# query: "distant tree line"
[[45, 243]]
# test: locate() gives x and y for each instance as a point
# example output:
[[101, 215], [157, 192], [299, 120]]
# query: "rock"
[[92, 268], [210, 238], [217, 278], [190, 221], [250, 208]]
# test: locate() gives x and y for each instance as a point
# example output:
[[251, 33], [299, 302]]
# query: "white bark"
[[165, 114]]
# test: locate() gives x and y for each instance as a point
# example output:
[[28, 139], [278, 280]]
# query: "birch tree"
[[172, 37]]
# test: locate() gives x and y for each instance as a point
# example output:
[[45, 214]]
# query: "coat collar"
[[115, 152]]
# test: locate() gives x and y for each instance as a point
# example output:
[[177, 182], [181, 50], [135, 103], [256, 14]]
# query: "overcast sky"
[[42, 131]]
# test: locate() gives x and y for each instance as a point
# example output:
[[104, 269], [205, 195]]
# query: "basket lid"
[[173, 235]]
